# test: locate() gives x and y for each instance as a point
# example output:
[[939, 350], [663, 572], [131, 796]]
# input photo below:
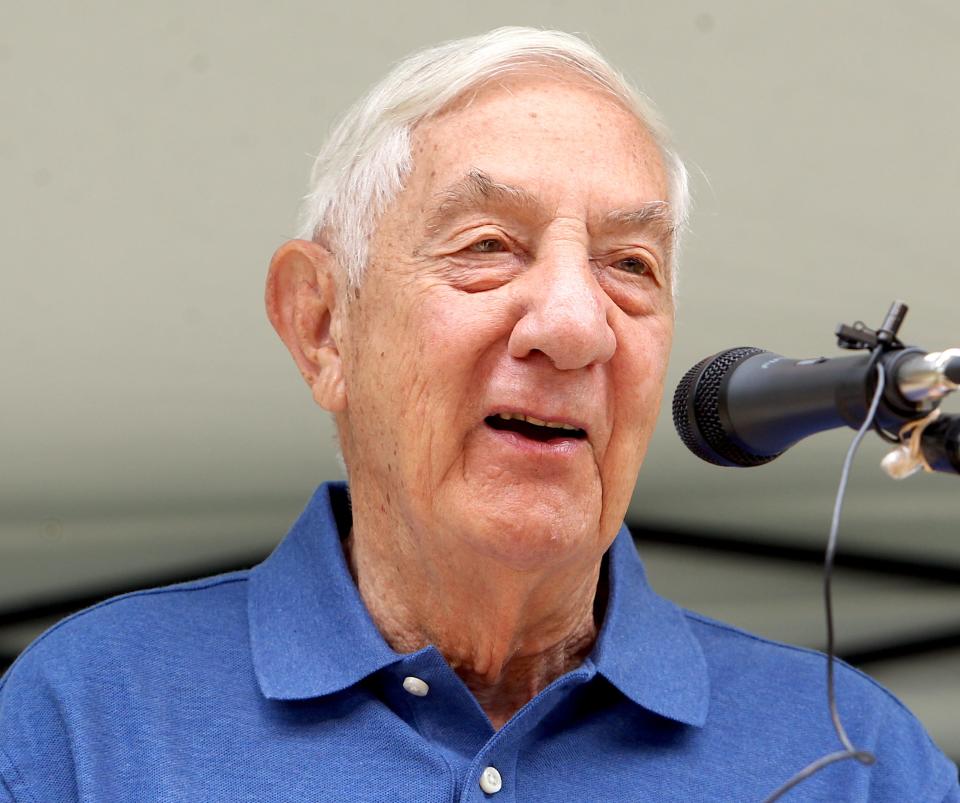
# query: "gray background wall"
[[151, 159]]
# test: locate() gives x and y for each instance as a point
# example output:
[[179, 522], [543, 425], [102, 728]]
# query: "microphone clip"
[[860, 336]]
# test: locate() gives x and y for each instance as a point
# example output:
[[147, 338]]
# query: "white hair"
[[363, 165]]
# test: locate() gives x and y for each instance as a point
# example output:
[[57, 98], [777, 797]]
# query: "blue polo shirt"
[[273, 684]]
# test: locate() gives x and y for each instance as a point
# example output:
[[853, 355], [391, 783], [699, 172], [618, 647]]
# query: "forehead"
[[569, 143]]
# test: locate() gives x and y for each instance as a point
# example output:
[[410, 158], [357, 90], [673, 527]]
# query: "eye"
[[488, 245], [633, 265]]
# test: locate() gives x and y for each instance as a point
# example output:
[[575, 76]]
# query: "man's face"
[[521, 272]]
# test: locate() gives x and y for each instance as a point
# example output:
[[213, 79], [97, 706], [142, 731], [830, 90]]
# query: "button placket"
[[502, 750]]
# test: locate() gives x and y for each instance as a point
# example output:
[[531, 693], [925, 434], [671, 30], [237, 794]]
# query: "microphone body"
[[746, 406]]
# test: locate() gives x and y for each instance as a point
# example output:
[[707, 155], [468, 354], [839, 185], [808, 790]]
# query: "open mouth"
[[533, 428]]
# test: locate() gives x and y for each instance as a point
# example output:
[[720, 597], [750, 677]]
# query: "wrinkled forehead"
[[536, 144], [545, 75], [531, 129]]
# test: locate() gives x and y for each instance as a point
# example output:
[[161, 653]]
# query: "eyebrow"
[[477, 190], [655, 216]]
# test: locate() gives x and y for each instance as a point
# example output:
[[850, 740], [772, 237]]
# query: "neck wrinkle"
[[507, 640]]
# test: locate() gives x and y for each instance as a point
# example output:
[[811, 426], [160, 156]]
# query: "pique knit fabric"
[[273, 684]]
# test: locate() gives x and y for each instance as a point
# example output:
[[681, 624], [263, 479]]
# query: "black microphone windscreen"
[[697, 411]]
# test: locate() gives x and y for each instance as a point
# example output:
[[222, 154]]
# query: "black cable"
[[875, 356], [849, 751]]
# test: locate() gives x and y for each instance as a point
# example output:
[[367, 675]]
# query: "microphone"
[[746, 406]]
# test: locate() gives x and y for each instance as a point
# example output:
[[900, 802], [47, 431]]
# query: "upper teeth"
[[531, 420]]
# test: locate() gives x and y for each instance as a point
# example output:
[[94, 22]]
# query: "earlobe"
[[301, 300], [329, 391]]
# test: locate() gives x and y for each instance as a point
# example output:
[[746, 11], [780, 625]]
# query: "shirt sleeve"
[[953, 793], [36, 762], [11, 788], [909, 762]]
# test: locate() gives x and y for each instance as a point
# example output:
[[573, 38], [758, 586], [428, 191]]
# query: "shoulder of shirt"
[[791, 655], [93, 615], [909, 736]]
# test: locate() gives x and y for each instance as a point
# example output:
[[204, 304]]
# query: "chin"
[[532, 528]]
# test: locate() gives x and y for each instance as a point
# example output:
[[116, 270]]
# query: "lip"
[[556, 448]]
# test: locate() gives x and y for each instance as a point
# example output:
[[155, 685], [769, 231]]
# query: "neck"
[[508, 634]]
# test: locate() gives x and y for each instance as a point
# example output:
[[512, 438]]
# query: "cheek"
[[382, 384], [459, 331], [457, 334], [418, 376], [640, 367], [638, 371]]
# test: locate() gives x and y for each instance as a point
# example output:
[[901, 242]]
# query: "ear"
[[301, 298]]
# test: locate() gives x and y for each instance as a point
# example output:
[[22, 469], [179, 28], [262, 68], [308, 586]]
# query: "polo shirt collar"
[[311, 634], [645, 646]]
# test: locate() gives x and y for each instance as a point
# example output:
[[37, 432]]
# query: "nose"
[[564, 313]]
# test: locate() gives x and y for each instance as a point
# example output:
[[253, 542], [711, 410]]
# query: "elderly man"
[[483, 300]]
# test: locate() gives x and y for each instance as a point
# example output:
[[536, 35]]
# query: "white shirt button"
[[416, 687], [490, 781]]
